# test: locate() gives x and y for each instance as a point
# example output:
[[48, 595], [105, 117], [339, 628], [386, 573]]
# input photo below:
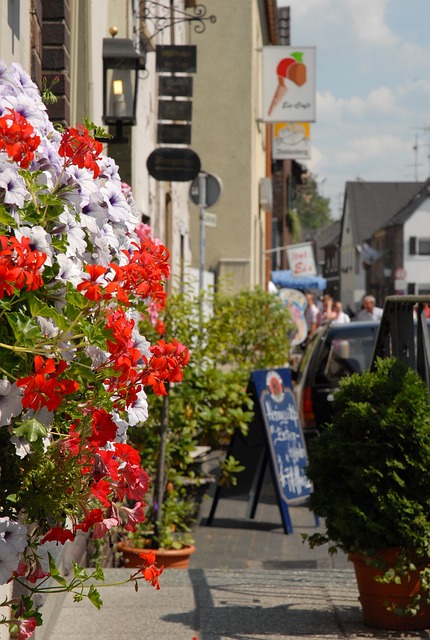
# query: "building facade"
[[232, 141]]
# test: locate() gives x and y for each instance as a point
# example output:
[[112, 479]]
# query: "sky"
[[373, 90]]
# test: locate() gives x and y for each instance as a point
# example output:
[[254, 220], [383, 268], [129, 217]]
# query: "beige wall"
[[229, 139], [15, 32]]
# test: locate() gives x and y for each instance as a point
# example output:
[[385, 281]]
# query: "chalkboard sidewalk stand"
[[275, 436]]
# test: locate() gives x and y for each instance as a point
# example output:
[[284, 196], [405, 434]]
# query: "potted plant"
[[371, 485], [171, 540]]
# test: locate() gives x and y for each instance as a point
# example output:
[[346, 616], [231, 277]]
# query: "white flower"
[[121, 433], [39, 240], [13, 541], [34, 112], [15, 191], [117, 207], [10, 402], [98, 356], [75, 235], [22, 446], [141, 343], [138, 411], [70, 269]]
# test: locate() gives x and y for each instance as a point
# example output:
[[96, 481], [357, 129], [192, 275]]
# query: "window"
[[419, 246], [424, 246], [424, 289]]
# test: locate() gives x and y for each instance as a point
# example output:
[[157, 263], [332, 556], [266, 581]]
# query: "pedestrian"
[[327, 312], [350, 312], [369, 311], [311, 315], [341, 317]]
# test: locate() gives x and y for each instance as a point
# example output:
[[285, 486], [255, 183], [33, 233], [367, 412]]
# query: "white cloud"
[[373, 89], [367, 21]]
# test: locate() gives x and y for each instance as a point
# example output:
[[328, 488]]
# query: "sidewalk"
[[248, 580]]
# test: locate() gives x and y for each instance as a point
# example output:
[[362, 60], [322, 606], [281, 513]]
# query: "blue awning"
[[284, 279]]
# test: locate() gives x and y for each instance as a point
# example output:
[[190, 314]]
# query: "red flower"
[[17, 138], [44, 389], [32, 571], [81, 149], [19, 265], [57, 534], [104, 428], [26, 628], [92, 288], [96, 515], [149, 570], [165, 365]]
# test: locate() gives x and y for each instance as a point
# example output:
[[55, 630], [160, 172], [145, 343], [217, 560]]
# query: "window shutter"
[[412, 246], [411, 288]]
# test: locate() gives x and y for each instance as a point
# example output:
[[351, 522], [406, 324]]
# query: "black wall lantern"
[[121, 65]]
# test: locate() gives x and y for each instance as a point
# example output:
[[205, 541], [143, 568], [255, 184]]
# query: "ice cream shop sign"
[[301, 259], [288, 84]]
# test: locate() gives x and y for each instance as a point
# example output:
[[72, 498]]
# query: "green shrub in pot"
[[370, 469]]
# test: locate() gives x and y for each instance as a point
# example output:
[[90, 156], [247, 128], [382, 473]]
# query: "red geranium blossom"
[[57, 534], [44, 388], [81, 149], [17, 138]]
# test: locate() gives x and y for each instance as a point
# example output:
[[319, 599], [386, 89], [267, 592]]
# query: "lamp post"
[[121, 65]]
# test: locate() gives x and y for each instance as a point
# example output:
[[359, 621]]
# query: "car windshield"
[[342, 356]]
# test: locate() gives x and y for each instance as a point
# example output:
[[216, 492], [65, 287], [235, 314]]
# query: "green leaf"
[[79, 572], [96, 131], [94, 597], [98, 574], [297, 55], [6, 218], [31, 429], [26, 330]]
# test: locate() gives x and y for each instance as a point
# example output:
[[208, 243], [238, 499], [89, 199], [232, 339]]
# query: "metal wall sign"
[[175, 86], [173, 133], [173, 164], [176, 58], [174, 110]]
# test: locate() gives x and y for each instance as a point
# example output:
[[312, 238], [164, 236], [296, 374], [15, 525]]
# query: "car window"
[[343, 356]]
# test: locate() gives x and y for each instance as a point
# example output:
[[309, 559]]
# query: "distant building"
[[368, 207], [403, 245], [327, 257]]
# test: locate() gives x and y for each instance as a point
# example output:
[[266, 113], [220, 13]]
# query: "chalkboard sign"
[[273, 389], [275, 435]]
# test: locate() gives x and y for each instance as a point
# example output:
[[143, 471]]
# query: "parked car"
[[335, 351]]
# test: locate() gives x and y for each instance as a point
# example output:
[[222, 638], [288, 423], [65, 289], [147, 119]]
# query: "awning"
[[284, 279]]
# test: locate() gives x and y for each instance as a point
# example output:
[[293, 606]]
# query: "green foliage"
[[370, 466], [312, 208], [294, 226], [236, 334]]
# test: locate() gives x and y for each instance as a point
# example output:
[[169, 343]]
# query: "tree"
[[312, 208]]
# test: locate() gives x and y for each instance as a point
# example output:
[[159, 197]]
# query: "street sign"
[[174, 110], [210, 219], [173, 165], [175, 86], [176, 58], [400, 274], [214, 189], [173, 133]]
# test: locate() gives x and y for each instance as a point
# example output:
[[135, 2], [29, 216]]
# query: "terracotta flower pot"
[[375, 597], [169, 558]]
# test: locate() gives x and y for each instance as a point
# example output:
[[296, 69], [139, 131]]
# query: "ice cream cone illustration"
[[291, 68], [281, 90]]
